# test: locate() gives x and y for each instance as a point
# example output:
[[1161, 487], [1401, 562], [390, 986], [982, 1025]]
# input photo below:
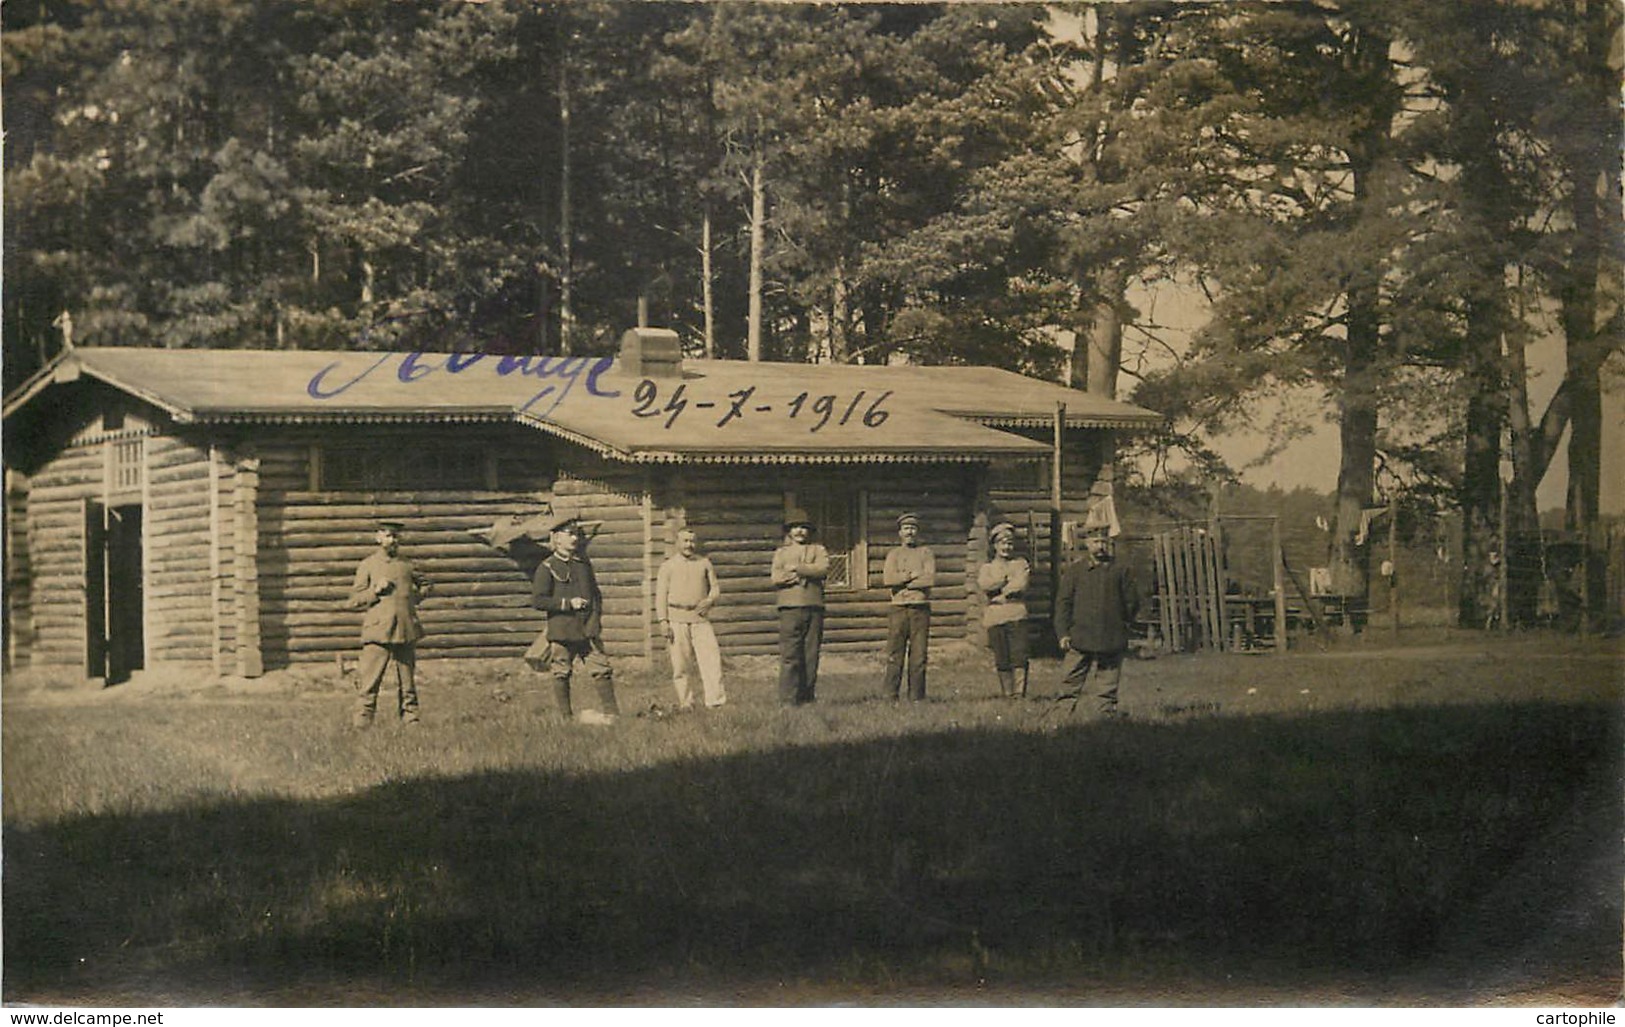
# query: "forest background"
[[1379, 206]]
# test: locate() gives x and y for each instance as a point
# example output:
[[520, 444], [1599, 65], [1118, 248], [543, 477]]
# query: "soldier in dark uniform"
[[388, 589], [1093, 610], [565, 587]]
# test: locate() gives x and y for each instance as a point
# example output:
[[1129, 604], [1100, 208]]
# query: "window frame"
[[854, 556]]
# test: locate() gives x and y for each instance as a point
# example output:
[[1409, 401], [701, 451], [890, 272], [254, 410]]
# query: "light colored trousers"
[[694, 649]]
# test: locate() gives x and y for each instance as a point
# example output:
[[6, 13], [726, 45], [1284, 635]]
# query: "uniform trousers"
[[801, 633], [694, 650], [376, 660], [561, 657], [908, 633], [1075, 676]]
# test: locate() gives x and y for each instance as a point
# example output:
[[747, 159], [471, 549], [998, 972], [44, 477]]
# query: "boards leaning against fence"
[[1095, 606]]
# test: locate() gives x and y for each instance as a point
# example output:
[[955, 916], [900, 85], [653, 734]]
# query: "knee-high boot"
[[606, 696], [561, 698], [1007, 683], [1021, 692]]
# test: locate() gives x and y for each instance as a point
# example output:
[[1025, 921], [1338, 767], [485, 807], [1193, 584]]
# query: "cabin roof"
[[913, 413]]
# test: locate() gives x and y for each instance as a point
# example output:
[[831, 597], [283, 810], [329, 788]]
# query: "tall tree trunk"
[[1522, 510], [1105, 338], [1480, 497], [566, 272], [707, 285], [1357, 436], [758, 237]]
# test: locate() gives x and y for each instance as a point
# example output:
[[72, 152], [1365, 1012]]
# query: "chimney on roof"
[[651, 353]]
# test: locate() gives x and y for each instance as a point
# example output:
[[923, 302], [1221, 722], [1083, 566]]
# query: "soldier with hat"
[[800, 566], [565, 587], [910, 572], [388, 589], [1003, 581], [1093, 610]]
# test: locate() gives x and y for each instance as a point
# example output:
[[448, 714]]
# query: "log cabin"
[[206, 509]]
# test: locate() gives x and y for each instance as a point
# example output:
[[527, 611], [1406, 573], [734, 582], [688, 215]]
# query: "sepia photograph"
[[638, 504]]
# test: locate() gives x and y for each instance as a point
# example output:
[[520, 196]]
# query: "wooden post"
[[1055, 529], [647, 510], [245, 536], [1393, 568], [1278, 574]]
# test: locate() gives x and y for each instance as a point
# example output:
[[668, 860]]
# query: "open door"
[[115, 608], [126, 613], [95, 589]]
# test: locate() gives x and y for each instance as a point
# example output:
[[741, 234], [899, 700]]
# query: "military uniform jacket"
[[798, 574], [391, 619], [557, 581], [1096, 604]]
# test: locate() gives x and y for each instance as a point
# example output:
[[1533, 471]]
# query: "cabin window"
[[405, 466], [1012, 475], [125, 464], [838, 516]]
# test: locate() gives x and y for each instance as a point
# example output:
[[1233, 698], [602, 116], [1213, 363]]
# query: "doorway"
[[115, 607]]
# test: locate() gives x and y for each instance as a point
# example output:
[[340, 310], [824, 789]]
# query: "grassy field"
[[1436, 822]]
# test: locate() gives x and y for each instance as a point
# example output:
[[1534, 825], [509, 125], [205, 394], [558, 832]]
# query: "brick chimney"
[[651, 353]]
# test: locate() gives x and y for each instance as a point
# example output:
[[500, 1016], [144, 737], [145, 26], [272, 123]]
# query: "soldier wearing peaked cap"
[[565, 587], [1093, 610], [1003, 582], [388, 589], [910, 571], [800, 566]]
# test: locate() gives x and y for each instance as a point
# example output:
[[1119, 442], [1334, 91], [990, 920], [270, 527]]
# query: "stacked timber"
[[57, 496], [179, 618]]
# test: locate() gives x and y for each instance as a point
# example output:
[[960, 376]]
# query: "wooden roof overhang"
[[930, 414]]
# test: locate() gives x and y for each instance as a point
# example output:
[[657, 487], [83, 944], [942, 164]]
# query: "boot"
[[1007, 683], [606, 697], [561, 698], [1021, 693]]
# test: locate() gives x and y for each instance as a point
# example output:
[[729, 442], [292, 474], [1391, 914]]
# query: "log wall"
[[56, 535], [18, 595], [176, 553], [738, 514], [310, 541]]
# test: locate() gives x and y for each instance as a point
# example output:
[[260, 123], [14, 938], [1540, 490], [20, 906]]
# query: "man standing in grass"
[[1095, 606], [388, 589], [565, 587], [799, 568], [1003, 580], [910, 572], [685, 590]]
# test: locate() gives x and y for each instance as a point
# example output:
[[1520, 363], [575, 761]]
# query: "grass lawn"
[[1430, 823]]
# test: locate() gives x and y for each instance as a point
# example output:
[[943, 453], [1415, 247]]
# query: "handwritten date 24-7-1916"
[[813, 411]]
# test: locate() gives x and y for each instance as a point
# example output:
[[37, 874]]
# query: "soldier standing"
[[800, 566], [1093, 611], [910, 572], [1003, 580], [388, 589], [565, 587], [685, 590]]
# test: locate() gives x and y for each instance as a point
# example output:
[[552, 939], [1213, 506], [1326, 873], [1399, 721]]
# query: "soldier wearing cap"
[[1093, 610], [910, 572], [800, 566], [1003, 581], [388, 589], [565, 587]]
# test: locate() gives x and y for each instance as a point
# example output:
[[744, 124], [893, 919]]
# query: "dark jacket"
[[558, 580], [1096, 604]]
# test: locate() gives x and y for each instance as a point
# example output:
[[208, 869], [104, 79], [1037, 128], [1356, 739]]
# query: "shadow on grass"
[[1357, 842]]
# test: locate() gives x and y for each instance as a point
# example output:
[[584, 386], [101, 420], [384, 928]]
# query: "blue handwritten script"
[[415, 367]]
